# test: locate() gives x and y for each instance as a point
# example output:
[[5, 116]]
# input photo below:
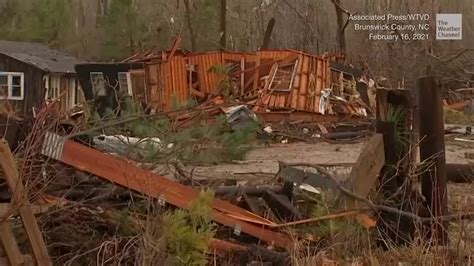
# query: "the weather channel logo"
[[449, 26]]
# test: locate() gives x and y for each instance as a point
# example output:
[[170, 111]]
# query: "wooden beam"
[[11, 175], [174, 47]]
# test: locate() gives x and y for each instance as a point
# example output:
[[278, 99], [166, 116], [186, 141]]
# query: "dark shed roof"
[[40, 56]]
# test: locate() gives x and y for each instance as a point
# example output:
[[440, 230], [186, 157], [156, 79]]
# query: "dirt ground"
[[265, 159]]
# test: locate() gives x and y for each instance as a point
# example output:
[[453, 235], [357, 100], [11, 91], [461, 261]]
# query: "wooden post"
[[394, 111], [432, 149]]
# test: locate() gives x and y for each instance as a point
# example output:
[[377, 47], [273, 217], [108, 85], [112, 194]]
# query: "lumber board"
[[126, 174], [33, 232]]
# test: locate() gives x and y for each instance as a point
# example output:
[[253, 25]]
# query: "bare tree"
[[223, 30], [341, 25], [192, 34], [268, 34]]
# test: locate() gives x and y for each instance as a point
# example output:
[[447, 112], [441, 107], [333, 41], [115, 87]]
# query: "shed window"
[[12, 85], [52, 84], [124, 82]]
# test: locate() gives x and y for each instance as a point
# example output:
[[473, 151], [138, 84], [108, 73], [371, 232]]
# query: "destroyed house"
[[32, 74], [265, 80], [269, 80], [106, 85]]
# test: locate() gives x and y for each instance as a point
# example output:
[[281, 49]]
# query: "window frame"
[[129, 82], [10, 76]]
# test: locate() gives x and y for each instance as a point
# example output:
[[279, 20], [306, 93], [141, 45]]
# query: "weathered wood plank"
[[366, 169]]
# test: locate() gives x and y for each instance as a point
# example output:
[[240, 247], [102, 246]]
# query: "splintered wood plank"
[[12, 177], [366, 169]]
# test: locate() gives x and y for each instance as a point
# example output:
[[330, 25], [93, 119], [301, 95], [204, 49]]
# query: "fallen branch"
[[114, 122], [321, 218]]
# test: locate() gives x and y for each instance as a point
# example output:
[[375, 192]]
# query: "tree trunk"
[[340, 26], [223, 25], [192, 35], [268, 34]]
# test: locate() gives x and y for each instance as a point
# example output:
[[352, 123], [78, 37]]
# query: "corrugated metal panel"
[[126, 174], [168, 84], [275, 54], [167, 90], [208, 79], [303, 84], [235, 56], [180, 80]]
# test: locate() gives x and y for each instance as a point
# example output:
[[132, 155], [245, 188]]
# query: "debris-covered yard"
[[140, 133]]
